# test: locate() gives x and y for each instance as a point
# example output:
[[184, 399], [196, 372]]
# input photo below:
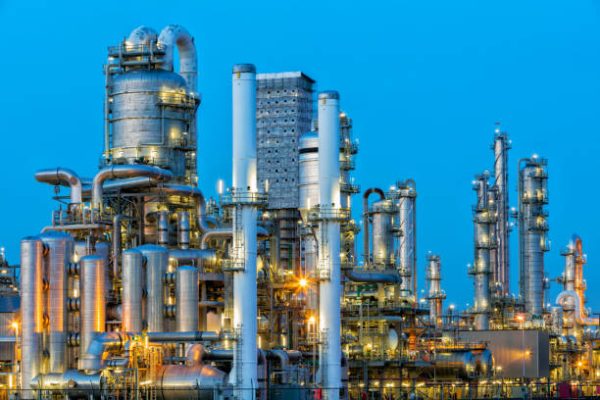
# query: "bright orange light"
[[311, 319], [520, 318], [302, 282], [15, 325]]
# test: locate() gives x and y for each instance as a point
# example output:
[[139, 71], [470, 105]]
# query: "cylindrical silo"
[[157, 260], [132, 290], [93, 303], [187, 298]]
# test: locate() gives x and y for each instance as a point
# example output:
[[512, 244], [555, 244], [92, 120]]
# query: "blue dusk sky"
[[424, 82]]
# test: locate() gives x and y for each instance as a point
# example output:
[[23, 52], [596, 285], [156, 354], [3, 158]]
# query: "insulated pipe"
[[373, 276], [183, 229], [329, 245], [58, 257], [182, 337], [92, 314], [175, 35], [62, 176], [91, 358], [163, 228], [72, 384], [569, 299], [157, 260], [186, 293], [32, 320], [132, 291], [244, 376], [116, 245], [142, 35], [194, 257], [366, 247], [124, 171]]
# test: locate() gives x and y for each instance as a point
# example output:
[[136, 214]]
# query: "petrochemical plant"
[[140, 287]]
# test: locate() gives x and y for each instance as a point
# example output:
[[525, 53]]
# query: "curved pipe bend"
[[580, 318], [64, 177], [124, 171], [176, 35]]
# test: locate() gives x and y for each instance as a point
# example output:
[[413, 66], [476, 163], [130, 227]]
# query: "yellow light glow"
[[311, 319], [15, 325], [302, 282]]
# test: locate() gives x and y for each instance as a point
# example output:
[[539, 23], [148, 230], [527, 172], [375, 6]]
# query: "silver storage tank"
[[383, 241], [151, 119]]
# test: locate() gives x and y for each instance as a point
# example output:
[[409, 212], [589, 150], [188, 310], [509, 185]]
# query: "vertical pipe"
[[436, 295], [92, 308], [132, 291], [329, 245], [187, 299], [32, 298], [244, 232], [183, 229], [407, 251], [501, 147], [163, 228], [116, 246], [59, 252], [157, 260]]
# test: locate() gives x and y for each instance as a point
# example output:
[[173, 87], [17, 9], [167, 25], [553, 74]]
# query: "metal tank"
[[150, 110], [187, 298], [483, 220], [533, 227], [383, 240], [58, 256], [451, 365], [157, 261], [132, 290], [308, 158], [32, 311], [179, 382], [93, 302]]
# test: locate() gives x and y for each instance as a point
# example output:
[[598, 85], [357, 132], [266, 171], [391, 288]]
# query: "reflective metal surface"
[[187, 298], [132, 290]]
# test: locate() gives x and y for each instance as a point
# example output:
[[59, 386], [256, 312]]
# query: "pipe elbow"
[[177, 36], [62, 176]]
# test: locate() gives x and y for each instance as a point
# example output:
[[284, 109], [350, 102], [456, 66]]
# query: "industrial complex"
[[140, 287]]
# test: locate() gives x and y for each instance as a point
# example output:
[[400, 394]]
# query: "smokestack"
[[329, 244], [244, 198]]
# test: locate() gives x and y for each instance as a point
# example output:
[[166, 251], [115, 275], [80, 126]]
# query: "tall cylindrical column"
[[436, 295], [406, 195], [187, 298], [58, 257], [32, 299], [329, 244], [501, 147], [157, 260], [93, 317], [244, 375], [132, 263]]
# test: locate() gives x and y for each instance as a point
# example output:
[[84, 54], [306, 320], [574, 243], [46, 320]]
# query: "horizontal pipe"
[[124, 171], [373, 276], [182, 337], [194, 257]]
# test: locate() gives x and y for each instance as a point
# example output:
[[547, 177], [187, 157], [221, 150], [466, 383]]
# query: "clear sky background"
[[424, 82]]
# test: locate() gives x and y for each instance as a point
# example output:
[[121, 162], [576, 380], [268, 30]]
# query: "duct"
[[284, 361], [373, 276], [329, 245], [92, 357], [368, 192], [569, 300], [157, 259], [183, 229], [186, 292], [92, 314], [72, 383], [182, 337], [32, 298], [175, 35], [163, 228], [244, 249], [132, 291], [58, 256], [124, 171], [62, 176], [194, 355]]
